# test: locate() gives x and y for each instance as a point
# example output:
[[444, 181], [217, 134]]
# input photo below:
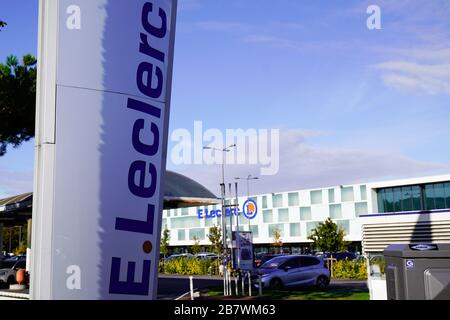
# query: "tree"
[[328, 237], [196, 247], [2, 24], [164, 244], [17, 101], [215, 237], [277, 241]]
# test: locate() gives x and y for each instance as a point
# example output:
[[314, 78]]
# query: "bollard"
[[260, 285], [191, 279], [249, 284], [236, 284]]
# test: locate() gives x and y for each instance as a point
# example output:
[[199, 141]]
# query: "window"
[[293, 199], [283, 215], [209, 222], [277, 200], [305, 213], [167, 213], [335, 211], [361, 208], [264, 202], [316, 197], [164, 223], [363, 190], [309, 261], [310, 226], [414, 198], [347, 194], [397, 199], [294, 229], [330, 195], [254, 230], [447, 194], [439, 196], [198, 233], [274, 227], [291, 263], [181, 235], [344, 224], [267, 216], [185, 222], [407, 199], [185, 211]]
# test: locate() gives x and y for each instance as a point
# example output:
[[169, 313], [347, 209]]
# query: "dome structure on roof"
[[181, 191]]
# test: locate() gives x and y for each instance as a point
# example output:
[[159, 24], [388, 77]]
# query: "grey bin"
[[418, 271]]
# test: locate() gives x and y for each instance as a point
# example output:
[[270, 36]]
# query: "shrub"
[[348, 269], [186, 266]]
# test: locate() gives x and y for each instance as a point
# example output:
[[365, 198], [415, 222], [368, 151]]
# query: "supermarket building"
[[372, 215]]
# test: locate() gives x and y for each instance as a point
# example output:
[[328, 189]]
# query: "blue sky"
[[352, 104]]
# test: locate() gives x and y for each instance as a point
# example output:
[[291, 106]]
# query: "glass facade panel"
[[185, 211], [389, 200], [264, 202], [274, 227], [184, 223], [363, 192], [283, 215], [416, 198], [331, 195], [407, 199], [293, 199], [164, 223], [335, 211], [316, 197], [305, 213], [344, 224], [380, 200], [397, 199], [267, 216], [181, 235], [361, 208], [294, 229], [277, 200], [429, 197], [254, 230], [347, 194], [439, 196], [310, 226], [197, 233], [210, 222], [447, 194]]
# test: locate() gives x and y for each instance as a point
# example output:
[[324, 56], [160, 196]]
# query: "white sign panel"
[[245, 245], [103, 110]]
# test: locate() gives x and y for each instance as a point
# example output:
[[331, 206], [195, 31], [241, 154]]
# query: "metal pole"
[[248, 197], [249, 284], [191, 280], [236, 285], [238, 251], [231, 229]]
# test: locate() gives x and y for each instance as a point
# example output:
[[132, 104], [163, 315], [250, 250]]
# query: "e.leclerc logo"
[[249, 210]]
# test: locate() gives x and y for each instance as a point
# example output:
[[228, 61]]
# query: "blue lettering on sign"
[[146, 172], [249, 210]]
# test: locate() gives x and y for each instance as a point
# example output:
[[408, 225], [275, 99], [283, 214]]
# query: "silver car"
[[293, 271]]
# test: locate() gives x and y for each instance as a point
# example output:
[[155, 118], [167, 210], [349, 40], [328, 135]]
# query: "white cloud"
[[303, 165], [417, 77], [13, 183]]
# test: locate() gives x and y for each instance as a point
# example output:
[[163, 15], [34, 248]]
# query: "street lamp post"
[[223, 191]]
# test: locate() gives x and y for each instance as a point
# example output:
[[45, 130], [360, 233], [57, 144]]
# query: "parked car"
[[207, 256], [293, 271], [178, 256], [8, 269], [263, 258]]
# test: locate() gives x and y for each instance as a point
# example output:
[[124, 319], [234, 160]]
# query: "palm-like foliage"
[[17, 101]]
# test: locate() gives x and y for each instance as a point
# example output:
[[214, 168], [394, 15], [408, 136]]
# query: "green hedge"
[[191, 267], [348, 269]]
